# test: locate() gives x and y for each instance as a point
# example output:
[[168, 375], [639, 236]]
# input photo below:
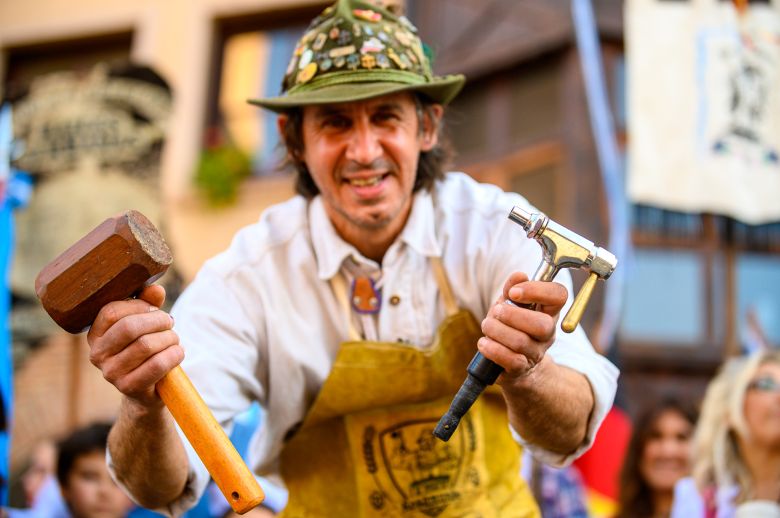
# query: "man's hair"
[[81, 442], [430, 168]]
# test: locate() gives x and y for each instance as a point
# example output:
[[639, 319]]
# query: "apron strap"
[[339, 286], [447, 297]]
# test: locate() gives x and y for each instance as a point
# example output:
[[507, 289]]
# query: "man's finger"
[[135, 354], [505, 322], [140, 382], [113, 312], [514, 278], [130, 328], [514, 364], [549, 297], [154, 295]]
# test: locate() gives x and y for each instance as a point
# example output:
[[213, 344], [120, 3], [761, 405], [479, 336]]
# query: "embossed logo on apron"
[[425, 474]]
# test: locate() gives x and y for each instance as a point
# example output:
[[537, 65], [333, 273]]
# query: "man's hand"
[[517, 338], [549, 405], [133, 343]]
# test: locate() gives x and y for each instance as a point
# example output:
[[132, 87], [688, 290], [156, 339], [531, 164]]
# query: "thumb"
[[154, 295]]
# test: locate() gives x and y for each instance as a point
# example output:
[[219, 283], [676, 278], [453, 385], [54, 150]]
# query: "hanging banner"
[[92, 141], [704, 107]]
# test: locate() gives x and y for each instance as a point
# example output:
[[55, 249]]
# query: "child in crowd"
[[87, 487]]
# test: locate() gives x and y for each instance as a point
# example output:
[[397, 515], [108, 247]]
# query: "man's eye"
[[385, 116], [336, 122]]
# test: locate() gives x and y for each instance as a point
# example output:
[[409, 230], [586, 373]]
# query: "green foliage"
[[219, 173]]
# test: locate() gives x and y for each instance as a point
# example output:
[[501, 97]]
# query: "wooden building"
[[698, 286]]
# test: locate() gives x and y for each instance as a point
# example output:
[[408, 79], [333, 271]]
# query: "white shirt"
[[260, 320]]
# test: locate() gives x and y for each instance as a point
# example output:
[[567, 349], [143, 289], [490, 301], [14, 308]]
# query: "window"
[[251, 59], [665, 298], [25, 63], [758, 298], [700, 283]]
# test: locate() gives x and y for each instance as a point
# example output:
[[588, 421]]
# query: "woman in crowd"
[[736, 447], [658, 455]]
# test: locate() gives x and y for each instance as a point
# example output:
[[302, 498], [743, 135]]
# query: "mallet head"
[[112, 262]]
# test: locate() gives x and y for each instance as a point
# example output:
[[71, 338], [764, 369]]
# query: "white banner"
[[704, 107]]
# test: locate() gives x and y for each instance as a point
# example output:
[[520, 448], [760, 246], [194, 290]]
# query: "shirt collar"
[[331, 250]]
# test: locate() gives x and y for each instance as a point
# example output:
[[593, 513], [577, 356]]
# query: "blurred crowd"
[[679, 463]]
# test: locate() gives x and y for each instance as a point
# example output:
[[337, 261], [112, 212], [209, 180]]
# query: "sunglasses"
[[765, 384]]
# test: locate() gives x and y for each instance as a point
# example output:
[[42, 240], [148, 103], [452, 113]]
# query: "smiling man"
[[364, 158], [350, 311]]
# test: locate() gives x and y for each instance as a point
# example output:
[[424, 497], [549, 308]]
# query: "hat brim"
[[440, 90]]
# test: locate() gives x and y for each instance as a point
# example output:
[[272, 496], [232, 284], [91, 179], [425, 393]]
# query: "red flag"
[[600, 466]]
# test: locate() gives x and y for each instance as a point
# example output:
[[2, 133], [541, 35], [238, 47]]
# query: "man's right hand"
[[133, 344]]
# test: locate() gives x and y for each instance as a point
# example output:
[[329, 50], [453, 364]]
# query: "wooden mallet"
[[114, 262]]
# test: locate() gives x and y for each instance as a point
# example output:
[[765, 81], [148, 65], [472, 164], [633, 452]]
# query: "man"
[[348, 311]]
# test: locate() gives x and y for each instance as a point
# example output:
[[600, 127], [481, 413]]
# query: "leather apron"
[[366, 447]]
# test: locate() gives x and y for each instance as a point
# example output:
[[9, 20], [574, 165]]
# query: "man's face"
[[363, 158], [91, 493]]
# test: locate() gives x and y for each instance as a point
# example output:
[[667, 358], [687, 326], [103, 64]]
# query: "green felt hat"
[[356, 50]]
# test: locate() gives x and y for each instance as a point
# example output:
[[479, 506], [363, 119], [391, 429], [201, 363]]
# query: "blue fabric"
[[611, 164], [282, 45], [16, 193], [563, 494], [562, 490], [6, 137], [244, 428], [213, 504]]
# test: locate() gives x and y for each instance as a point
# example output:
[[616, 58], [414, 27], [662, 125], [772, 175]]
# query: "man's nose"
[[364, 146]]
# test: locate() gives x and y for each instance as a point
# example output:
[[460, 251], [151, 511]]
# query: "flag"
[[15, 190], [600, 466]]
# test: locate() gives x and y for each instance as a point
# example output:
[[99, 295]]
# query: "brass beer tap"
[[561, 248]]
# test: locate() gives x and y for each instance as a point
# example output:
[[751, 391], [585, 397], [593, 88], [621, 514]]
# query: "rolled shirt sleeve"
[[602, 376]]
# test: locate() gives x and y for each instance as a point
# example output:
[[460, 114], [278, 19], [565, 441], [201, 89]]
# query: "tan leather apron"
[[366, 447]]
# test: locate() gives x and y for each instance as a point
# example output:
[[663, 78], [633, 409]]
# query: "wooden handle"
[[206, 436]]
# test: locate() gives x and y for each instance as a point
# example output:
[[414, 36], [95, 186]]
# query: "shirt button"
[[394, 300]]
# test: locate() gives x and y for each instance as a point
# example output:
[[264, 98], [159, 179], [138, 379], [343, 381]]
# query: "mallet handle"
[[206, 436]]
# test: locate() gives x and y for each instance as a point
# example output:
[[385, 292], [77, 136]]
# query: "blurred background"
[[604, 118]]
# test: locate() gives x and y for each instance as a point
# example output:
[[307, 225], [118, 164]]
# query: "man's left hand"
[[517, 338]]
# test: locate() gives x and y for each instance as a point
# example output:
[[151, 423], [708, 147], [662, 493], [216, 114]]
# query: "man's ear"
[[431, 122], [281, 126], [281, 123]]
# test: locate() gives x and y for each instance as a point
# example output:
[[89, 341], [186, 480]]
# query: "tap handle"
[[574, 315]]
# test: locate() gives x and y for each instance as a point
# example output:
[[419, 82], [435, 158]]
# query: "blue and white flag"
[[15, 190], [704, 107]]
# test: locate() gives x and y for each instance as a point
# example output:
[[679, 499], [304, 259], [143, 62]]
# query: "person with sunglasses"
[[736, 446]]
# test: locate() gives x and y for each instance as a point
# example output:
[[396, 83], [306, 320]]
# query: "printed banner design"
[[704, 107]]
